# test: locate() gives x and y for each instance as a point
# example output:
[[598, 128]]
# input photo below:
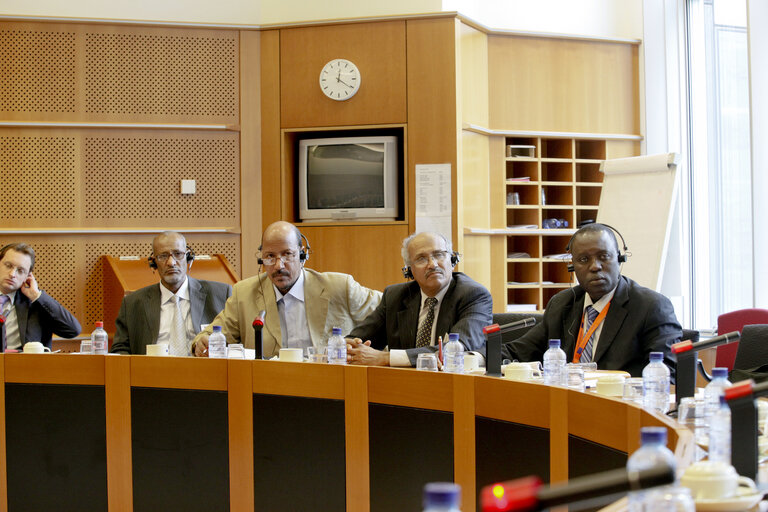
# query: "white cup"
[[517, 371], [610, 385], [35, 347], [471, 362], [159, 349], [293, 355], [709, 480]]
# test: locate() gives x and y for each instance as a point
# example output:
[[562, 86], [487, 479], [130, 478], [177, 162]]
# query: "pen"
[[440, 349]]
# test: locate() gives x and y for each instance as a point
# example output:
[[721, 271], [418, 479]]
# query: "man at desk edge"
[[629, 321]]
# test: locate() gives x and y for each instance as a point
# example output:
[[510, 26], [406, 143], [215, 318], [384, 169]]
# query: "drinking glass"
[[235, 351], [317, 354], [426, 362], [86, 347], [574, 375], [633, 390]]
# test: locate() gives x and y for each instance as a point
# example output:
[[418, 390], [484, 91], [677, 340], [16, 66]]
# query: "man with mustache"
[[412, 315], [302, 306], [607, 318], [170, 312]]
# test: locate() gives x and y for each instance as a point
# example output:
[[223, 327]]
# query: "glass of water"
[[426, 362], [235, 351], [86, 346]]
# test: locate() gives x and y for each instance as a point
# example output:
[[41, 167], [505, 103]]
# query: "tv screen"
[[345, 176]]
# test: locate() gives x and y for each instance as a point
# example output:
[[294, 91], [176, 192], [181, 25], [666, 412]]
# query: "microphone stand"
[[493, 343], [687, 355]]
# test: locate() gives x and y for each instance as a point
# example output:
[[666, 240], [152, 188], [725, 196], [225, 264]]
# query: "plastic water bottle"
[[337, 348], [99, 339], [217, 344], [656, 384], [715, 389], [453, 354], [652, 452], [720, 433], [442, 497], [554, 364]]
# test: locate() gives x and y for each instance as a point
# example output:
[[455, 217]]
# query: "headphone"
[[303, 253], [455, 259], [153, 261], [622, 257]]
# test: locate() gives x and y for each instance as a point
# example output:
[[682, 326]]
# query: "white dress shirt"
[[168, 310], [293, 316], [12, 338]]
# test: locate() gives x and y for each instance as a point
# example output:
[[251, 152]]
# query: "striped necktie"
[[4, 299], [586, 355], [178, 334], [424, 337]]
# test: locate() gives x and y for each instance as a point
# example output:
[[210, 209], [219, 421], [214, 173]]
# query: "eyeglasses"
[[177, 255], [285, 258], [438, 256], [19, 271]]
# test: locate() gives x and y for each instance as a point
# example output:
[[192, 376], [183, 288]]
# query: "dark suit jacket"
[[40, 320], [465, 309], [639, 322], [138, 322]]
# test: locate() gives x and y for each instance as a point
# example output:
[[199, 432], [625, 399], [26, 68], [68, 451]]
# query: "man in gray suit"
[[172, 311]]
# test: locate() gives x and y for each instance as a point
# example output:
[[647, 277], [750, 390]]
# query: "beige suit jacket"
[[331, 300]]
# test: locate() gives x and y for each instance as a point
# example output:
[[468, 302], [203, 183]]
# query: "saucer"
[[735, 504]]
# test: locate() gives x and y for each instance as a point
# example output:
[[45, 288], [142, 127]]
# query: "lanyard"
[[582, 340]]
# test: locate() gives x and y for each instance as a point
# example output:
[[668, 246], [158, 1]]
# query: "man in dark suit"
[[172, 311], [30, 314], [412, 315], [607, 318]]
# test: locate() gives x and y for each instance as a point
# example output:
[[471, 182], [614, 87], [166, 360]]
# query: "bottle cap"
[[443, 494], [554, 343], [337, 331], [99, 325], [216, 328], [657, 357], [454, 336], [719, 372], [653, 435]]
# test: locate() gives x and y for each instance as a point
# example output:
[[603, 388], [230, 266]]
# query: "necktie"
[[178, 333], [424, 337], [3, 301], [586, 356]]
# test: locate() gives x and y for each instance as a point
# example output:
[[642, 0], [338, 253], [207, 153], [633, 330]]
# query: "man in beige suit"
[[302, 305]]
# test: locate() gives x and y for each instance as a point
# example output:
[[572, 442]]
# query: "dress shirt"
[[398, 357], [293, 316], [12, 339], [598, 306], [168, 310]]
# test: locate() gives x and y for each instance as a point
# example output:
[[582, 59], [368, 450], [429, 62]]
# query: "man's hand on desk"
[[359, 352], [200, 349]]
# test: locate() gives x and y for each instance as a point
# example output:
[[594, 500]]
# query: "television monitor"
[[348, 178]]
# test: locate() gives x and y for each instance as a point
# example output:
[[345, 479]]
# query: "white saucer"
[[735, 504]]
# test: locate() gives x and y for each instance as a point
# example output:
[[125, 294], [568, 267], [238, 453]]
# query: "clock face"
[[340, 79]]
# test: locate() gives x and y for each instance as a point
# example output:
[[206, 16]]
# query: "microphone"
[[685, 346], [525, 322], [258, 324], [2, 333], [527, 494], [493, 343]]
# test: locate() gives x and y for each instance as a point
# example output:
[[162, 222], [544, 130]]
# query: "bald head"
[[169, 249], [281, 246]]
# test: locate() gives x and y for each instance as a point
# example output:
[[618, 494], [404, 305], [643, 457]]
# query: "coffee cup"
[[159, 349], [610, 385], [709, 480], [518, 371], [471, 362], [293, 355], [35, 347]]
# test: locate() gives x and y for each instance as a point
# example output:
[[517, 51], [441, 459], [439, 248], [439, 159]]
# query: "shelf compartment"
[[588, 196], [522, 141], [554, 245], [556, 195], [522, 169], [589, 172], [590, 149], [556, 148], [555, 212], [523, 273], [523, 243], [524, 295], [523, 216], [582, 215], [555, 272], [557, 171], [529, 195]]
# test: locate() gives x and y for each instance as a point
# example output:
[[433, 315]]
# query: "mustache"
[[434, 271], [281, 272]]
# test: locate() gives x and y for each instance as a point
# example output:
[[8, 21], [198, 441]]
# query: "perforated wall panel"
[[37, 71], [184, 75], [38, 177]]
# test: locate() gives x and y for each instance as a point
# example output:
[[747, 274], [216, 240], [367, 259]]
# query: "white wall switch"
[[187, 186]]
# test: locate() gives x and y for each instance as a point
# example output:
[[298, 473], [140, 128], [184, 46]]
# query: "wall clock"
[[340, 79]]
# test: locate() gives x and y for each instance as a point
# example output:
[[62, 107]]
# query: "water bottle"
[[715, 389], [337, 348], [656, 384], [99, 339], [453, 355], [442, 497], [720, 433], [217, 344], [554, 364], [653, 451]]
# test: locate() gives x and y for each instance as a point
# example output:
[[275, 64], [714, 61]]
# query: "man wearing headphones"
[[172, 311], [412, 315], [29, 313], [607, 318], [302, 306]]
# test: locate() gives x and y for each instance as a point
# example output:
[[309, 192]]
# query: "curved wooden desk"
[[124, 433]]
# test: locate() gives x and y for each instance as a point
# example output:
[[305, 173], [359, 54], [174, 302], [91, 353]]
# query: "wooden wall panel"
[[271, 191], [377, 49], [544, 84]]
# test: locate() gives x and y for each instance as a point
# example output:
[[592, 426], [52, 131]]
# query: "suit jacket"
[[40, 320], [138, 322], [465, 309], [640, 321], [331, 300]]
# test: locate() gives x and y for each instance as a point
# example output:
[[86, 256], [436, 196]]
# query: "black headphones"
[[153, 262], [622, 258], [455, 259], [303, 253]]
